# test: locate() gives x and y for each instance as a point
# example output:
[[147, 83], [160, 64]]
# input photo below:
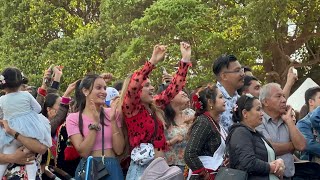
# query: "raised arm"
[[179, 80], [42, 91], [132, 102], [63, 109], [297, 139], [57, 74], [291, 79]]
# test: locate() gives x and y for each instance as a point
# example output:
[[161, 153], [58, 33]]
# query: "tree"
[[281, 29], [118, 36]]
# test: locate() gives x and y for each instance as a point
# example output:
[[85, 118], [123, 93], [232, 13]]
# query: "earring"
[[211, 107], [85, 95]]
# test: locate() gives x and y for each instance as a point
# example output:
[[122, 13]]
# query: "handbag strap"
[[102, 150]]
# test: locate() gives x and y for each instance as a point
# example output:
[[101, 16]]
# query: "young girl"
[[21, 110], [85, 131]]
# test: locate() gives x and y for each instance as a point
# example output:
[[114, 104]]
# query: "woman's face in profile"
[[255, 114]]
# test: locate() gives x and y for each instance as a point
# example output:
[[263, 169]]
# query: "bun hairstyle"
[[11, 78], [200, 98], [200, 101], [244, 102]]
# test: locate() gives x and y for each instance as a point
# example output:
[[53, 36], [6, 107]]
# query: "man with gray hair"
[[278, 126]]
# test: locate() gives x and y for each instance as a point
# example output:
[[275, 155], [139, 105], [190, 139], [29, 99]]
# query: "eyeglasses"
[[238, 71]]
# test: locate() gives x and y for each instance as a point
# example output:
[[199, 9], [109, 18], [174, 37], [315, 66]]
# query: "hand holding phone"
[[49, 75], [294, 71], [164, 71]]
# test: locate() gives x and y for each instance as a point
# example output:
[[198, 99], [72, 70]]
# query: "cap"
[[111, 94]]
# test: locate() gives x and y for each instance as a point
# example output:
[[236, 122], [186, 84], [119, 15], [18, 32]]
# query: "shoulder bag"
[[93, 168]]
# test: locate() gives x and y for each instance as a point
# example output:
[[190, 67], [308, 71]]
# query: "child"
[[21, 111]]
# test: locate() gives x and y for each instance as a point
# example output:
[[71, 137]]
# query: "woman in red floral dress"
[[143, 111]]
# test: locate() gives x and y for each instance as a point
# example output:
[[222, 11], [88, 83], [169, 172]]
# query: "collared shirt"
[[226, 116], [278, 132], [305, 126]]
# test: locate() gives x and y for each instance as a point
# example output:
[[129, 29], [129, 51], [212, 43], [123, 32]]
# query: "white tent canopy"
[[296, 100]]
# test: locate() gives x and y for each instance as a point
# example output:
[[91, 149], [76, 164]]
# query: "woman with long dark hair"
[[177, 125], [84, 127]]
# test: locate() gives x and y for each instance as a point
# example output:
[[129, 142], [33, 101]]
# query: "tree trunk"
[[276, 63]]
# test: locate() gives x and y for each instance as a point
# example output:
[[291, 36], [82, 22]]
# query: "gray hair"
[[266, 89]]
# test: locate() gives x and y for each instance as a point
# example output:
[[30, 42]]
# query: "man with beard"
[[229, 74], [278, 128]]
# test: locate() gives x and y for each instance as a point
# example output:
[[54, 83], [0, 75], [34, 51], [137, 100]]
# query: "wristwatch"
[[94, 127], [16, 135]]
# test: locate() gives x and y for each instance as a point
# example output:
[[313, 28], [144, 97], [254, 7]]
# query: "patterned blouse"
[[175, 153], [204, 141], [17, 172], [226, 116], [139, 121]]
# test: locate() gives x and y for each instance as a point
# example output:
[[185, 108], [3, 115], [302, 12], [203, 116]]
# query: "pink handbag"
[[160, 170]]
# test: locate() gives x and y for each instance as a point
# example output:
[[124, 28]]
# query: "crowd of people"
[[235, 123]]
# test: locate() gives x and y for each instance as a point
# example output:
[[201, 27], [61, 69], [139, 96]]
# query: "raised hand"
[[158, 53], [70, 89], [46, 78], [113, 111], [287, 117], [185, 51], [57, 73], [291, 76], [107, 77]]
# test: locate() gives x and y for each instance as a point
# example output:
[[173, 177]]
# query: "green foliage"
[[118, 36]]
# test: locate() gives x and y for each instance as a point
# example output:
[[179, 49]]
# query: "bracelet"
[[42, 92], [16, 135], [95, 127], [65, 100], [115, 133]]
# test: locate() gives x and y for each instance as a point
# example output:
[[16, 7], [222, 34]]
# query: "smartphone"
[[49, 79], [164, 71], [294, 71]]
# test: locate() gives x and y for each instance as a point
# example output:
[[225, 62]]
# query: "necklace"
[[223, 134]]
